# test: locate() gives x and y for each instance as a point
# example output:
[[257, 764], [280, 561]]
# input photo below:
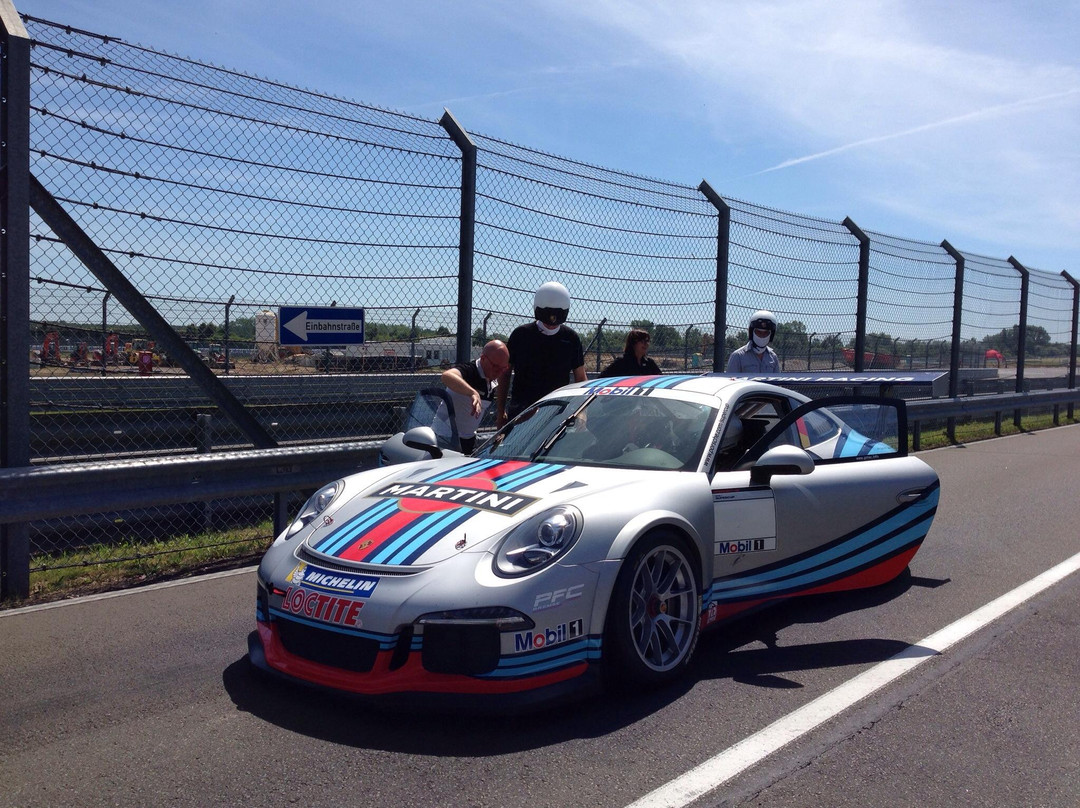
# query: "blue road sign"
[[320, 325]]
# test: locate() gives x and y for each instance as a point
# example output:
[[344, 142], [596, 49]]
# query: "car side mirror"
[[780, 460], [423, 438]]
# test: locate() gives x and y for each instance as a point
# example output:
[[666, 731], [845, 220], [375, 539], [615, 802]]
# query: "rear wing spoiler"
[[934, 381]]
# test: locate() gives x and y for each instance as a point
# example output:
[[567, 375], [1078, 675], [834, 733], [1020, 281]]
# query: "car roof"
[[718, 387]]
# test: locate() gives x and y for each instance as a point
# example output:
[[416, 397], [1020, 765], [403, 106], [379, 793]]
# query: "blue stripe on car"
[[875, 541], [550, 659]]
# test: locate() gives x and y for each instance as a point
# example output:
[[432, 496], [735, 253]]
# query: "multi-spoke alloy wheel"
[[655, 610]]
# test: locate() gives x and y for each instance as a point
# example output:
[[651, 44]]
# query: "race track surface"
[[146, 698]]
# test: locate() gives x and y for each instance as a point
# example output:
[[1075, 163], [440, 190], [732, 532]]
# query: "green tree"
[[242, 328], [665, 338], [791, 337], [1008, 341]]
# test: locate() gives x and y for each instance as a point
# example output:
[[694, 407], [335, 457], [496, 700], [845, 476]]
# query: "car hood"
[[423, 513]]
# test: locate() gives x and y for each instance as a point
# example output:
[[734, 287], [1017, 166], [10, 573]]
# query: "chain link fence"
[[223, 197], [631, 250]]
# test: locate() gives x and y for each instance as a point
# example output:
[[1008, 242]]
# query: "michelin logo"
[[344, 583], [745, 546]]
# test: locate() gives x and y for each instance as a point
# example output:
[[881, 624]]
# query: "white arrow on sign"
[[302, 326]]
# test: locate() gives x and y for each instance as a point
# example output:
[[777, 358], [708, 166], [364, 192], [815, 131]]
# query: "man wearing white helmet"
[[756, 356], [543, 354]]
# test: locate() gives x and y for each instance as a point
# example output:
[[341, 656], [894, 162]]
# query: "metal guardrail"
[[45, 492], [934, 409], [951, 408], [73, 489], [130, 390]]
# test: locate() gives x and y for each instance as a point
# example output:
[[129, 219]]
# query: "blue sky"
[[927, 120]]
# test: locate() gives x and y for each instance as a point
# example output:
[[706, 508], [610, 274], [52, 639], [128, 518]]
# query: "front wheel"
[[654, 614]]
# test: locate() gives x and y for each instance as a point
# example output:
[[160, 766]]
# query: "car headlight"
[[538, 542], [315, 506]]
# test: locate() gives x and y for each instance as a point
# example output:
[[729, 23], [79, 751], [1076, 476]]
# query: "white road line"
[[737, 758], [119, 593]]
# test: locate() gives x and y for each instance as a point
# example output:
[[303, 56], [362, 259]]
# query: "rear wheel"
[[654, 614]]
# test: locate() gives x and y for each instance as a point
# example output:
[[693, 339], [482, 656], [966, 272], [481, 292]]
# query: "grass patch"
[[983, 429], [107, 567]]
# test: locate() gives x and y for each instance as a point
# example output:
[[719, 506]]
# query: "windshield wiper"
[[545, 447]]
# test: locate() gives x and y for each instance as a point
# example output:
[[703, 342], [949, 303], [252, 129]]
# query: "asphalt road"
[[146, 698]]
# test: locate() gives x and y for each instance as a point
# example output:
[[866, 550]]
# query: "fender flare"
[[640, 525]]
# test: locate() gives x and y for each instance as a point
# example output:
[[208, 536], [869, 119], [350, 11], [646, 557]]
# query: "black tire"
[[655, 612]]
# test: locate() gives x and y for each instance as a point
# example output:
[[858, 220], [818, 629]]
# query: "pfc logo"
[[548, 600]]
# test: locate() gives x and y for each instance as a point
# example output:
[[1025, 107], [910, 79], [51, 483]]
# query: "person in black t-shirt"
[[543, 354], [634, 362], [472, 386]]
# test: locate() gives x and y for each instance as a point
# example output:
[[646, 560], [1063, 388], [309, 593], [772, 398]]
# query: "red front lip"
[[410, 677]]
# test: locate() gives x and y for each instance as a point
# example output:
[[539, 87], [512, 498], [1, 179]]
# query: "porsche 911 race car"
[[592, 538]]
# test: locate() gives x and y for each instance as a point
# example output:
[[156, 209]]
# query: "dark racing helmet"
[[551, 304]]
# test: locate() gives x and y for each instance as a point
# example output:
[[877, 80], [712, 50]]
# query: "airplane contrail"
[[981, 113]]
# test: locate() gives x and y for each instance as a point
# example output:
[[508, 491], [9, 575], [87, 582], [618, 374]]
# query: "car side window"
[[751, 417], [842, 429], [814, 429]]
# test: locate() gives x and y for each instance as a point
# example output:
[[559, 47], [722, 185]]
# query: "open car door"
[[846, 504], [433, 407]]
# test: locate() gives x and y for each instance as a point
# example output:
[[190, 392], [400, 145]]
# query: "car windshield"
[[645, 432]]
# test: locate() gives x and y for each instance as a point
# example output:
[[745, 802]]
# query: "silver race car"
[[591, 538]]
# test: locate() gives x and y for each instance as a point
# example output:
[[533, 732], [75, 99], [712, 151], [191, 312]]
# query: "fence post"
[[14, 284], [1075, 321], [1021, 338], [598, 340], [957, 316], [467, 232], [723, 245], [225, 347], [105, 334], [863, 292]]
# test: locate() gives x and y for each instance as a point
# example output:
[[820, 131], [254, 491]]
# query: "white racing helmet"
[[551, 304], [762, 319]]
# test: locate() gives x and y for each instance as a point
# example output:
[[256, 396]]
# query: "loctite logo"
[[319, 606]]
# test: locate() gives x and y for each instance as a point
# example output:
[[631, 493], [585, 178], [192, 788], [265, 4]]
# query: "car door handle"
[[910, 495]]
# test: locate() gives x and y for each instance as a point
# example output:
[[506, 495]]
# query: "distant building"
[[423, 352]]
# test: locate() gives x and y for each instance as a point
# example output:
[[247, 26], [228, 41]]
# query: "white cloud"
[[947, 124]]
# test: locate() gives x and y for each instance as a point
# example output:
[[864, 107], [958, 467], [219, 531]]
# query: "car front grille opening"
[[332, 648]]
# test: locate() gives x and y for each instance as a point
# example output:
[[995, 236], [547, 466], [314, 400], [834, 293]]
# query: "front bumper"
[[437, 658], [412, 687]]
